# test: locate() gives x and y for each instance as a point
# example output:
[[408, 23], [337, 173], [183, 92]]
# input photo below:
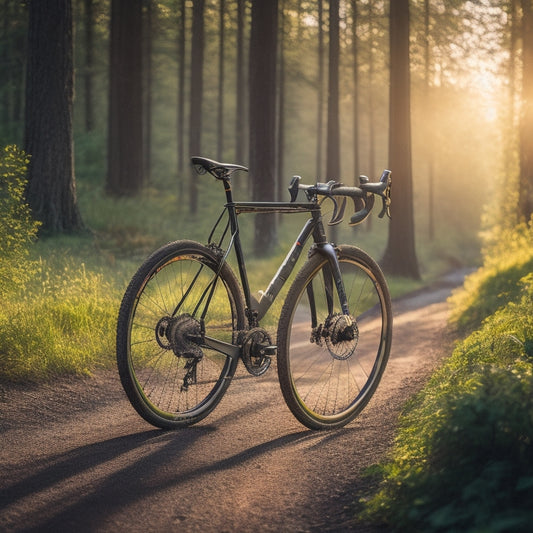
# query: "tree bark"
[[281, 107], [320, 95], [125, 133], [88, 21], [181, 93], [263, 46], [51, 189], [240, 107], [197, 83], [221, 78], [355, 61], [333, 153], [400, 255], [525, 191]]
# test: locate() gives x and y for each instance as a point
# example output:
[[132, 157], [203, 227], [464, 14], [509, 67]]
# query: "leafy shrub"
[[17, 227], [507, 257], [463, 459]]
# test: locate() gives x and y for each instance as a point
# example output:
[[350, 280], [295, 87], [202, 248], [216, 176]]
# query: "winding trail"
[[76, 457]]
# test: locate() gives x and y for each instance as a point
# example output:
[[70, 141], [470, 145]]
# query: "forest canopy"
[[188, 68]]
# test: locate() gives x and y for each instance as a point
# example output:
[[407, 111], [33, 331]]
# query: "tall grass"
[[463, 458], [64, 323]]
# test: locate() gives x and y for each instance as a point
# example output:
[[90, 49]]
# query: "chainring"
[[253, 354]]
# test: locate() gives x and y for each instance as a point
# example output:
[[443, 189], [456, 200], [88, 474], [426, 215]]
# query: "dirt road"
[[76, 457]]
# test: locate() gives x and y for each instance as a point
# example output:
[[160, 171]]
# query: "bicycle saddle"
[[219, 170]]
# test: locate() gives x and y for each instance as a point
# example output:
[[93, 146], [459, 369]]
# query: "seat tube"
[[237, 241]]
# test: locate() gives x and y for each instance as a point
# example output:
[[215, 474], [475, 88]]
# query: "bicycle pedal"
[[270, 350]]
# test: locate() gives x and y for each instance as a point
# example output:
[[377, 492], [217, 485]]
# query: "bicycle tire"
[[327, 381], [155, 355]]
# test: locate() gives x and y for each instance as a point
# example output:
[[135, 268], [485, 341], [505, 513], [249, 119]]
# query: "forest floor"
[[76, 457]]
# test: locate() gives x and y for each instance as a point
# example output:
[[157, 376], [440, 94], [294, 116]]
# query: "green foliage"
[[64, 323], [17, 227], [463, 459], [508, 256]]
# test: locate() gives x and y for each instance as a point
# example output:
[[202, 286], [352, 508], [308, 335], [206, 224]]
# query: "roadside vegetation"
[[463, 457], [59, 295]]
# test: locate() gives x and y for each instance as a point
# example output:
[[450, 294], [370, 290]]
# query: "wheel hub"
[[181, 334], [340, 333]]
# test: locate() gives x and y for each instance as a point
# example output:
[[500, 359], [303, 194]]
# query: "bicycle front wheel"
[[178, 295], [330, 363]]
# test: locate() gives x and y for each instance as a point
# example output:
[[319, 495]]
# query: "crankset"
[[256, 351]]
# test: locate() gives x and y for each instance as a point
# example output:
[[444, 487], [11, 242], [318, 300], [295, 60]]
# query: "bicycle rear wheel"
[[330, 364], [170, 376]]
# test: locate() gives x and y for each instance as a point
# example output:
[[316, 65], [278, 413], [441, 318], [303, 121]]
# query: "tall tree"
[[148, 30], [240, 107], [400, 254], [88, 26], [51, 191], [525, 192], [355, 60], [125, 134], [320, 83], [221, 78], [281, 105], [333, 152], [262, 164], [197, 90], [428, 122], [181, 91]]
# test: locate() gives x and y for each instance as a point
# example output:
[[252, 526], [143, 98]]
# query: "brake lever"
[[385, 210], [338, 213], [386, 199]]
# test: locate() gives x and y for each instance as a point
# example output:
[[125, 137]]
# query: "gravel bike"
[[185, 320]]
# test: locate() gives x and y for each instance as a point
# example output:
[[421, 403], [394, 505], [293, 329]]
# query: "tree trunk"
[[51, 190], [333, 154], [88, 21], [147, 34], [428, 122], [281, 107], [525, 191], [197, 82], [181, 94], [125, 133], [220, 118], [355, 92], [263, 45], [400, 255], [320, 82], [240, 107]]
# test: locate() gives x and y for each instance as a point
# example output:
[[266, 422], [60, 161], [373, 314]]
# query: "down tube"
[[284, 270]]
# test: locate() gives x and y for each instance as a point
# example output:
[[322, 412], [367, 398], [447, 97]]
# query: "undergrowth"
[[507, 257], [63, 323], [463, 457], [18, 230]]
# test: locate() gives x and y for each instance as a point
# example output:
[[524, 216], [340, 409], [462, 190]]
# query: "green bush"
[[507, 257], [17, 227], [463, 459]]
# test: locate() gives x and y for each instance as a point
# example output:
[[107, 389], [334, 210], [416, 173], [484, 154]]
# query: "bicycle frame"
[[314, 226]]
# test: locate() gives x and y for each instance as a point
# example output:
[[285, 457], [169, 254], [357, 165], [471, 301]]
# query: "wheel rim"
[[333, 380], [174, 382]]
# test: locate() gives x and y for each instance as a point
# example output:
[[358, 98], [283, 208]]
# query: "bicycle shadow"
[[84, 488]]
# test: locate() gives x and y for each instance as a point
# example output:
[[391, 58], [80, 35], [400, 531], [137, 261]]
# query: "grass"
[[463, 457], [63, 323], [60, 319]]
